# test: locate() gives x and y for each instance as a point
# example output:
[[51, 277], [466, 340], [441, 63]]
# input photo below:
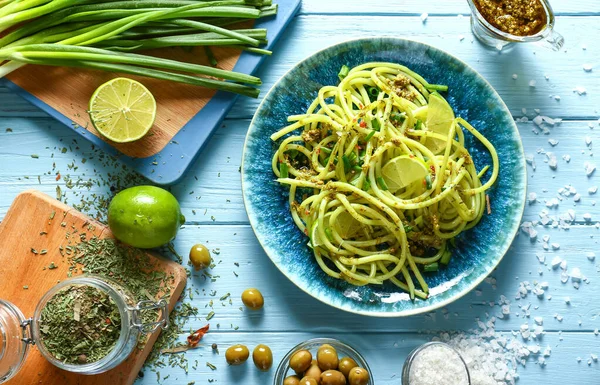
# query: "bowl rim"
[[283, 367], [414, 311]]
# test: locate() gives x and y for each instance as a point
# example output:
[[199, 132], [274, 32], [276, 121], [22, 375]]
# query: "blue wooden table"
[[563, 209]]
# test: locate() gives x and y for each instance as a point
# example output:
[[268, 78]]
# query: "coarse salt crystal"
[[590, 255], [580, 90], [587, 67], [589, 168], [556, 261], [592, 190], [515, 76], [576, 274], [587, 217], [532, 83], [424, 17], [553, 142], [532, 197]]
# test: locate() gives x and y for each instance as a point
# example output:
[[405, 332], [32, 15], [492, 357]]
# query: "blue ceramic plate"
[[477, 252]]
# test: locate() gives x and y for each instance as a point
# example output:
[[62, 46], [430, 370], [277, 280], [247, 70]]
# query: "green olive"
[[314, 371], [291, 380], [308, 381], [346, 364], [332, 377], [358, 376], [200, 257], [300, 361], [237, 354], [262, 357], [253, 299], [327, 357]]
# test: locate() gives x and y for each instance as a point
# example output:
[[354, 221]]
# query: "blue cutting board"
[[170, 163]]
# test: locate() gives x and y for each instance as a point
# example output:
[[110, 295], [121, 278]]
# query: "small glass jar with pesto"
[[502, 23], [86, 325]]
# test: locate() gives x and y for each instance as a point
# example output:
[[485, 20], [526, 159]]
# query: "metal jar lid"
[[14, 335]]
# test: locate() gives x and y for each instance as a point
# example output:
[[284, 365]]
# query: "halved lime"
[[402, 171], [439, 119], [122, 110]]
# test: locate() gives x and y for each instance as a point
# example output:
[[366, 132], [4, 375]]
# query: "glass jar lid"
[[13, 340]]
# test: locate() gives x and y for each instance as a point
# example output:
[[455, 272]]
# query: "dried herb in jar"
[[80, 325]]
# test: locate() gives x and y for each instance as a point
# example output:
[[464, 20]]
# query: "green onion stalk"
[[112, 35]]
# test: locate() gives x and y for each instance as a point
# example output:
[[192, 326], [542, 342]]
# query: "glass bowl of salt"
[[435, 363]]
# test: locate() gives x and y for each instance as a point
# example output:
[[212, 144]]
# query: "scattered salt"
[[424, 17]]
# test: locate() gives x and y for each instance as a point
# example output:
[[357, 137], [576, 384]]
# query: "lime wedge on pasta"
[[402, 171], [122, 110], [439, 120], [346, 226]]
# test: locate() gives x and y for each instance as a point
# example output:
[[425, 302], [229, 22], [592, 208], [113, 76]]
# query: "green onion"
[[343, 72], [370, 135], [418, 125], [408, 228], [283, 170], [329, 233], [428, 181], [445, 260], [432, 267], [436, 87], [211, 56], [366, 185], [293, 153], [375, 124], [352, 158], [373, 93], [382, 184], [72, 33], [357, 168], [325, 150], [398, 117], [347, 164]]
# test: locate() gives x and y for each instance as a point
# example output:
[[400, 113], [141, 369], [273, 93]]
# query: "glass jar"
[[493, 37], [17, 333], [406, 369], [344, 350]]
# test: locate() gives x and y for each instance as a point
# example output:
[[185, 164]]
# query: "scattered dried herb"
[[80, 324]]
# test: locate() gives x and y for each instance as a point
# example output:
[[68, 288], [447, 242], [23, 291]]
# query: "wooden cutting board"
[[68, 91], [186, 116], [20, 231]]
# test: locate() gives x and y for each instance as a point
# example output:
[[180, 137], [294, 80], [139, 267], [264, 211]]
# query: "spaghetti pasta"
[[377, 181]]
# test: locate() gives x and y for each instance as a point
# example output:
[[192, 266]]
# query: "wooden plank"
[[384, 352], [20, 232], [217, 190], [412, 7], [529, 62]]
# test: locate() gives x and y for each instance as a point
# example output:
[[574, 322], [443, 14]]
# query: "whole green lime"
[[144, 216]]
